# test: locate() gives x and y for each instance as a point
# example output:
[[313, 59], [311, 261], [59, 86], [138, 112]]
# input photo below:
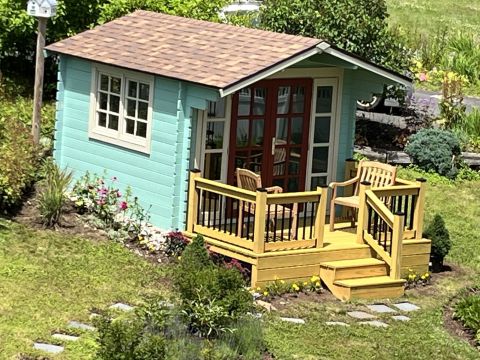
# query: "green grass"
[[47, 279], [428, 16]]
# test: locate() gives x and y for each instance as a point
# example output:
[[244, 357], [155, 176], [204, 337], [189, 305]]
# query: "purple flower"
[[123, 205]]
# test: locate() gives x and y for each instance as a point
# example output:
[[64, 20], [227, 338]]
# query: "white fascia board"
[[326, 48], [266, 73]]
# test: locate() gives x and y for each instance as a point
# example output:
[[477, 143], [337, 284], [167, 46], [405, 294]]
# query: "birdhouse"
[[42, 8]]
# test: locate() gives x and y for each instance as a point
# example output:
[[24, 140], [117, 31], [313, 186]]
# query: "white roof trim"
[[270, 71], [325, 47]]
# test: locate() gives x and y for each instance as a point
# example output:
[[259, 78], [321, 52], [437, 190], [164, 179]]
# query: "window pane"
[[102, 103], [242, 133], [115, 85], [294, 161], [322, 130], [104, 82], [244, 102], [142, 110], [256, 160], [292, 185], [283, 99], [130, 128], [320, 160], [141, 129], [279, 159], [115, 103], [297, 130], [131, 105], [132, 88], [298, 100], [281, 132], [257, 133], [213, 166], [318, 181], [214, 135], [113, 122], [324, 99], [216, 109], [259, 101], [144, 91], [241, 158], [102, 119]]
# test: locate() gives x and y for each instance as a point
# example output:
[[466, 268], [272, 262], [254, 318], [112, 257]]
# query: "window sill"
[[124, 142]]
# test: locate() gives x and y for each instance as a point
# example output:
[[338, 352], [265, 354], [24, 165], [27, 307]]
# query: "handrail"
[[288, 198], [224, 189], [379, 207]]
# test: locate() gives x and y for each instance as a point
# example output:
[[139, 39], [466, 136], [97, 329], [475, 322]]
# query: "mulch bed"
[[285, 301]]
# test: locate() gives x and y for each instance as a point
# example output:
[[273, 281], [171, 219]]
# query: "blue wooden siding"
[[159, 179]]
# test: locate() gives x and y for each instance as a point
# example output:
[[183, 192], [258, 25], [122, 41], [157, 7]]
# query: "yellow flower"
[[282, 281], [305, 283], [314, 279], [317, 283], [179, 258], [295, 287], [258, 289], [265, 293]]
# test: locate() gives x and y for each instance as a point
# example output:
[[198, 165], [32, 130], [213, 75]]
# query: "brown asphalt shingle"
[[202, 52]]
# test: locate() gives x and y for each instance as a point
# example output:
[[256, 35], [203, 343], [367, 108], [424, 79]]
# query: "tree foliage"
[[359, 26]]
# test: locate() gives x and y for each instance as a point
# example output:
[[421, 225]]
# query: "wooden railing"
[[388, 215], [256, 221]]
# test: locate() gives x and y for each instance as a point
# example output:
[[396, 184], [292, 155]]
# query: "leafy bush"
[[175, 243], [247, 339], [213, 297], [469, 127], [468, 311], [435, 150], [53, 195], [19, 161], [441, 243]]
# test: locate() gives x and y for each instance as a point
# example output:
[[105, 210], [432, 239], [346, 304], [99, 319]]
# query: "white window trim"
[[120, 137], [334, 131]]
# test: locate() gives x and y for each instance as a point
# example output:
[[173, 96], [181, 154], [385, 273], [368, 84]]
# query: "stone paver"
[[406, 306], [121, 306], [401, 318], [65, 337], [336, 323], [380, 308], [360, 315], [81, 326], [49, 348], [375, 323], [293, 320]]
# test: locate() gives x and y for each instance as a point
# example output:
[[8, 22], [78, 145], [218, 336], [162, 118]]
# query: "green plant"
[[246, 340], [414, 279], [438, 233], [175, 243], [53, 194], [435, 150], [467, 310], [280, 287]]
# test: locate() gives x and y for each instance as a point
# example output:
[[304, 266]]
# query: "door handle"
[[273, 146]]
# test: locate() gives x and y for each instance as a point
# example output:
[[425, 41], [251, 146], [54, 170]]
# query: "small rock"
[[293, 320], [406, 306], [336, 323], [375, 323], [121, 306], [49, 348], [401, 318], [380, 308], [360, 315], [282, 303], [266, 305], [81, 326], [65, 337], [94, 315]]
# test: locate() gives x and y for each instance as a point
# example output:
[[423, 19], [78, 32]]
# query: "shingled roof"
[[207, 53]]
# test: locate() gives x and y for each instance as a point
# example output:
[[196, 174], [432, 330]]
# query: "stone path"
[[59, 336]]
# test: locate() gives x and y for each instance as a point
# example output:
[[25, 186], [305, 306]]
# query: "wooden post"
[[350, 172], [260, 222], [397, 238], [38, 89], [192, 204], [419, 209], [320, 216], [362, 210]]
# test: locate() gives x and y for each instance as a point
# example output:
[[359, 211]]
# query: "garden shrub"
[[435, 150], [438, 233], [53, 194], [247, 339], [175, 243], [467, 310]]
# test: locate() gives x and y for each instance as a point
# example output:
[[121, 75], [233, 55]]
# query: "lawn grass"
[[47, 279]]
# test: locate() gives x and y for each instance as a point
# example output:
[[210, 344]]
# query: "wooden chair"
[[376, 173], [249, 180]]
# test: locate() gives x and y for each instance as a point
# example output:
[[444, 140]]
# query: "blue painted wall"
[[159, 179]]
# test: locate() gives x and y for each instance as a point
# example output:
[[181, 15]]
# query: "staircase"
[[363, 278]]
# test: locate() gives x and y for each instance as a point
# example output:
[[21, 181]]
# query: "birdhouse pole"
[[38, 88]]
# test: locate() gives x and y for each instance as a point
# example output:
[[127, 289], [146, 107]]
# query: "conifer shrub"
[[441, 243], [435, 150]]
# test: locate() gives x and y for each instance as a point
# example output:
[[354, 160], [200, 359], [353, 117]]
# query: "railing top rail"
[[224, 189], [380, 207], [293, 197], [396, 190], [405, 182]]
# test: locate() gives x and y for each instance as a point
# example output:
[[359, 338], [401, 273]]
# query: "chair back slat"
[[376, 173], [248, 180]]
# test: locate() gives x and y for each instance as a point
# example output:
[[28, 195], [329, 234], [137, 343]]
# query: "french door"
[[269, 132]]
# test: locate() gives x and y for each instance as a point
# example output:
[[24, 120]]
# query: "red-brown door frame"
[[271, 87]]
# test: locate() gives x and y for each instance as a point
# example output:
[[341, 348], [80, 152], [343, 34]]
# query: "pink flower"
[[101, 202], [423, 77], [123, 205], [119, 194]]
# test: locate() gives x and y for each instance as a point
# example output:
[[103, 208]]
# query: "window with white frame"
[[121, 111]]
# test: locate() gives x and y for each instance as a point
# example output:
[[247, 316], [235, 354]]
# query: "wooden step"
[[356, 268], [377, 287], [369, 281]]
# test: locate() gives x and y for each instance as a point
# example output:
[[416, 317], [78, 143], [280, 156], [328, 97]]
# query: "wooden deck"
[[365, 261]]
